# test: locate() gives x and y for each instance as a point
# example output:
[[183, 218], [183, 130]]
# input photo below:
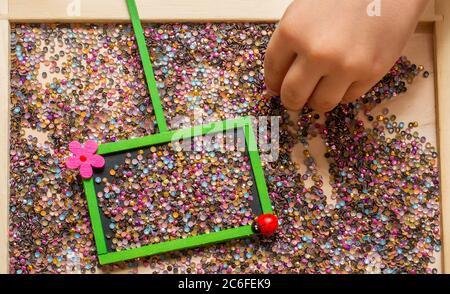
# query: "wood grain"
[[442, 55], [3, 9], [4, 137], [157, 10], [227, 10]]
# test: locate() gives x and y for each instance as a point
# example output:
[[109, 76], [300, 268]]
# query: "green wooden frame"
[[106, 257], [166, 136]]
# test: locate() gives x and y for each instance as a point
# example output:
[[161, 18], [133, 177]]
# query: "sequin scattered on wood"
[[73, 82]]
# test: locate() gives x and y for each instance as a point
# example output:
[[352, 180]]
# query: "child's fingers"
[[328, 93], [298, 84], [357, 89], [278, 59]]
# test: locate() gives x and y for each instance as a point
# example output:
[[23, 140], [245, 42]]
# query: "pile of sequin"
[[74, 82], [209, 72], [165, 193]]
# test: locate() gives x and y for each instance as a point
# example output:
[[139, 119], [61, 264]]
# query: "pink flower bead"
[[84, 158]]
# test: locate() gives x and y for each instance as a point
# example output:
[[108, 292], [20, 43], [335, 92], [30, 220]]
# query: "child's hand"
[[327, 51]]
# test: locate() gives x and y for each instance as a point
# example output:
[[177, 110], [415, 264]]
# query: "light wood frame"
[[437, 13]]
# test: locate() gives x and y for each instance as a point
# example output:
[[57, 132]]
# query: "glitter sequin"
[[78, 82]]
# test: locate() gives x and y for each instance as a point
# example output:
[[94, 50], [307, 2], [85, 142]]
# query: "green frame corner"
[[245, 123]]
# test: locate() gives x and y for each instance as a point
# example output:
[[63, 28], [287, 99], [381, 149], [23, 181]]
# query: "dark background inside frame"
[[113, 159]]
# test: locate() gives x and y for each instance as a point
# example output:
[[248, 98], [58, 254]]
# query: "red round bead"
[[267, 224]]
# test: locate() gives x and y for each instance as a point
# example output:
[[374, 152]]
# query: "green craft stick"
[[169, 136], [147, 65], [163, 137], [255, 162], [106, 256], [94, 214], [178, 244]]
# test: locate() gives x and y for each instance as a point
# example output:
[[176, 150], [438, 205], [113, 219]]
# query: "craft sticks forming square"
[[100, 223]]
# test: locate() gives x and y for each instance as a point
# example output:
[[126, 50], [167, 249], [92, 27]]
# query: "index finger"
[[278, 60]]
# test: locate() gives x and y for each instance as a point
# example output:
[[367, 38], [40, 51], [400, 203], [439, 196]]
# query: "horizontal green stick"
[[166, 137], [179, 244]]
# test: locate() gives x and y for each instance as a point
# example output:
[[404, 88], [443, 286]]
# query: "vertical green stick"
[[147, 65]]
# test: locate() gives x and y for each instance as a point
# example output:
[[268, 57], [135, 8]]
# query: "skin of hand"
[[324, 52]]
